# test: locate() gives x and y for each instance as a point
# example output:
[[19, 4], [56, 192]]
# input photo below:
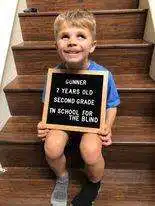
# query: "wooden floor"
[[33, 186]]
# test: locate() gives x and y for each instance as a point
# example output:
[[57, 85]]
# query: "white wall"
[[7, 13], [9, 35]]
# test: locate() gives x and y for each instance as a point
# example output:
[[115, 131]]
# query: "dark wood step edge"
[[17, 141], [122, 90], [99, 46], [96, 12]]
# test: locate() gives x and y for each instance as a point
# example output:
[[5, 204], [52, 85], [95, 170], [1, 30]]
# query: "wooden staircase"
[[130, 170]]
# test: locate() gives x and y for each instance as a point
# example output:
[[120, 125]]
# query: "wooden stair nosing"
[[6, 140], [110, 176], [95, 12], [28, 83], [122, 90], [33, 45], [126, 131]]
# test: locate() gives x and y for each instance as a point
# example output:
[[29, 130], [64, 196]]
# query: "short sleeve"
[[113, 99]]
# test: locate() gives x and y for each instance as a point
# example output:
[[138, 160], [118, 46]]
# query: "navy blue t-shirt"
[[113, 99]]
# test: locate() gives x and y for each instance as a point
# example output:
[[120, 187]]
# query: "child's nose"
[[72, 41]]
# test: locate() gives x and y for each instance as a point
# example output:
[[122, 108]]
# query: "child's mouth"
[[72, 52]]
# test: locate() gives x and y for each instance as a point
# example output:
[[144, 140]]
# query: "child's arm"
[[105, 133], [110, 116]]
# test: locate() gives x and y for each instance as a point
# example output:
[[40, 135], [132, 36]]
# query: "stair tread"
[[100, 43], [52, 5], [120, 187], [127, 130], [129, 82], [49, 13], [121, 175]]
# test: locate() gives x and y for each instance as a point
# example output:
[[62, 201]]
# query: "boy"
[[75, 39]]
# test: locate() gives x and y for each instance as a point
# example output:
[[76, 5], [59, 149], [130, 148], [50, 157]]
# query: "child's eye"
[[81, 36], [65, 37]]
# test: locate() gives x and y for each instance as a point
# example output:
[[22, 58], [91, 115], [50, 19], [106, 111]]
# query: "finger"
[[43, 131], [41, 125], [105, 137], [41, 135], [107, 143], [109, 135], [99, 133], [104, 132], [101, 137]]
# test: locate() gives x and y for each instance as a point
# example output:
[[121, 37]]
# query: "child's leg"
[[91, 151], [55, 143], [54, 149]]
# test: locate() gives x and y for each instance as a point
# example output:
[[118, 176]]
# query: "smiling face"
[[74, 45]]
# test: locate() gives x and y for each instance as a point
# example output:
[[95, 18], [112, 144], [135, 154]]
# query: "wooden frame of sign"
[[75, 100]]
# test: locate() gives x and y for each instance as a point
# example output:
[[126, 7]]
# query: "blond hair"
[[81, 18]]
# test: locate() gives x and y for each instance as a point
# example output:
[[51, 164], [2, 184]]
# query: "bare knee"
[[90, 150], [55, 143]]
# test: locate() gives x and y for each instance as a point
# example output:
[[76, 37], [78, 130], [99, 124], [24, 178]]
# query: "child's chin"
[[73, 63]]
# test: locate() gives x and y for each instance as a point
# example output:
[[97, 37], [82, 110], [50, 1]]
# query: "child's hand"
[[105, 135], [42, 130]]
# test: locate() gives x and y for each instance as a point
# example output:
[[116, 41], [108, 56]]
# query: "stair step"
[[125, 56], [110, 176], [119, 24], [120, 187], [137, 93], [20, 129], [127, 130], [61, 5], [19, 145], [128, 82], [106, 43]]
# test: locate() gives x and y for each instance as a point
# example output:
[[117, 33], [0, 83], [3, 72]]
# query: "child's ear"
[[93, 46]]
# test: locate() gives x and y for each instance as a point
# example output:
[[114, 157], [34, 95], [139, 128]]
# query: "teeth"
[[72, 52]]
